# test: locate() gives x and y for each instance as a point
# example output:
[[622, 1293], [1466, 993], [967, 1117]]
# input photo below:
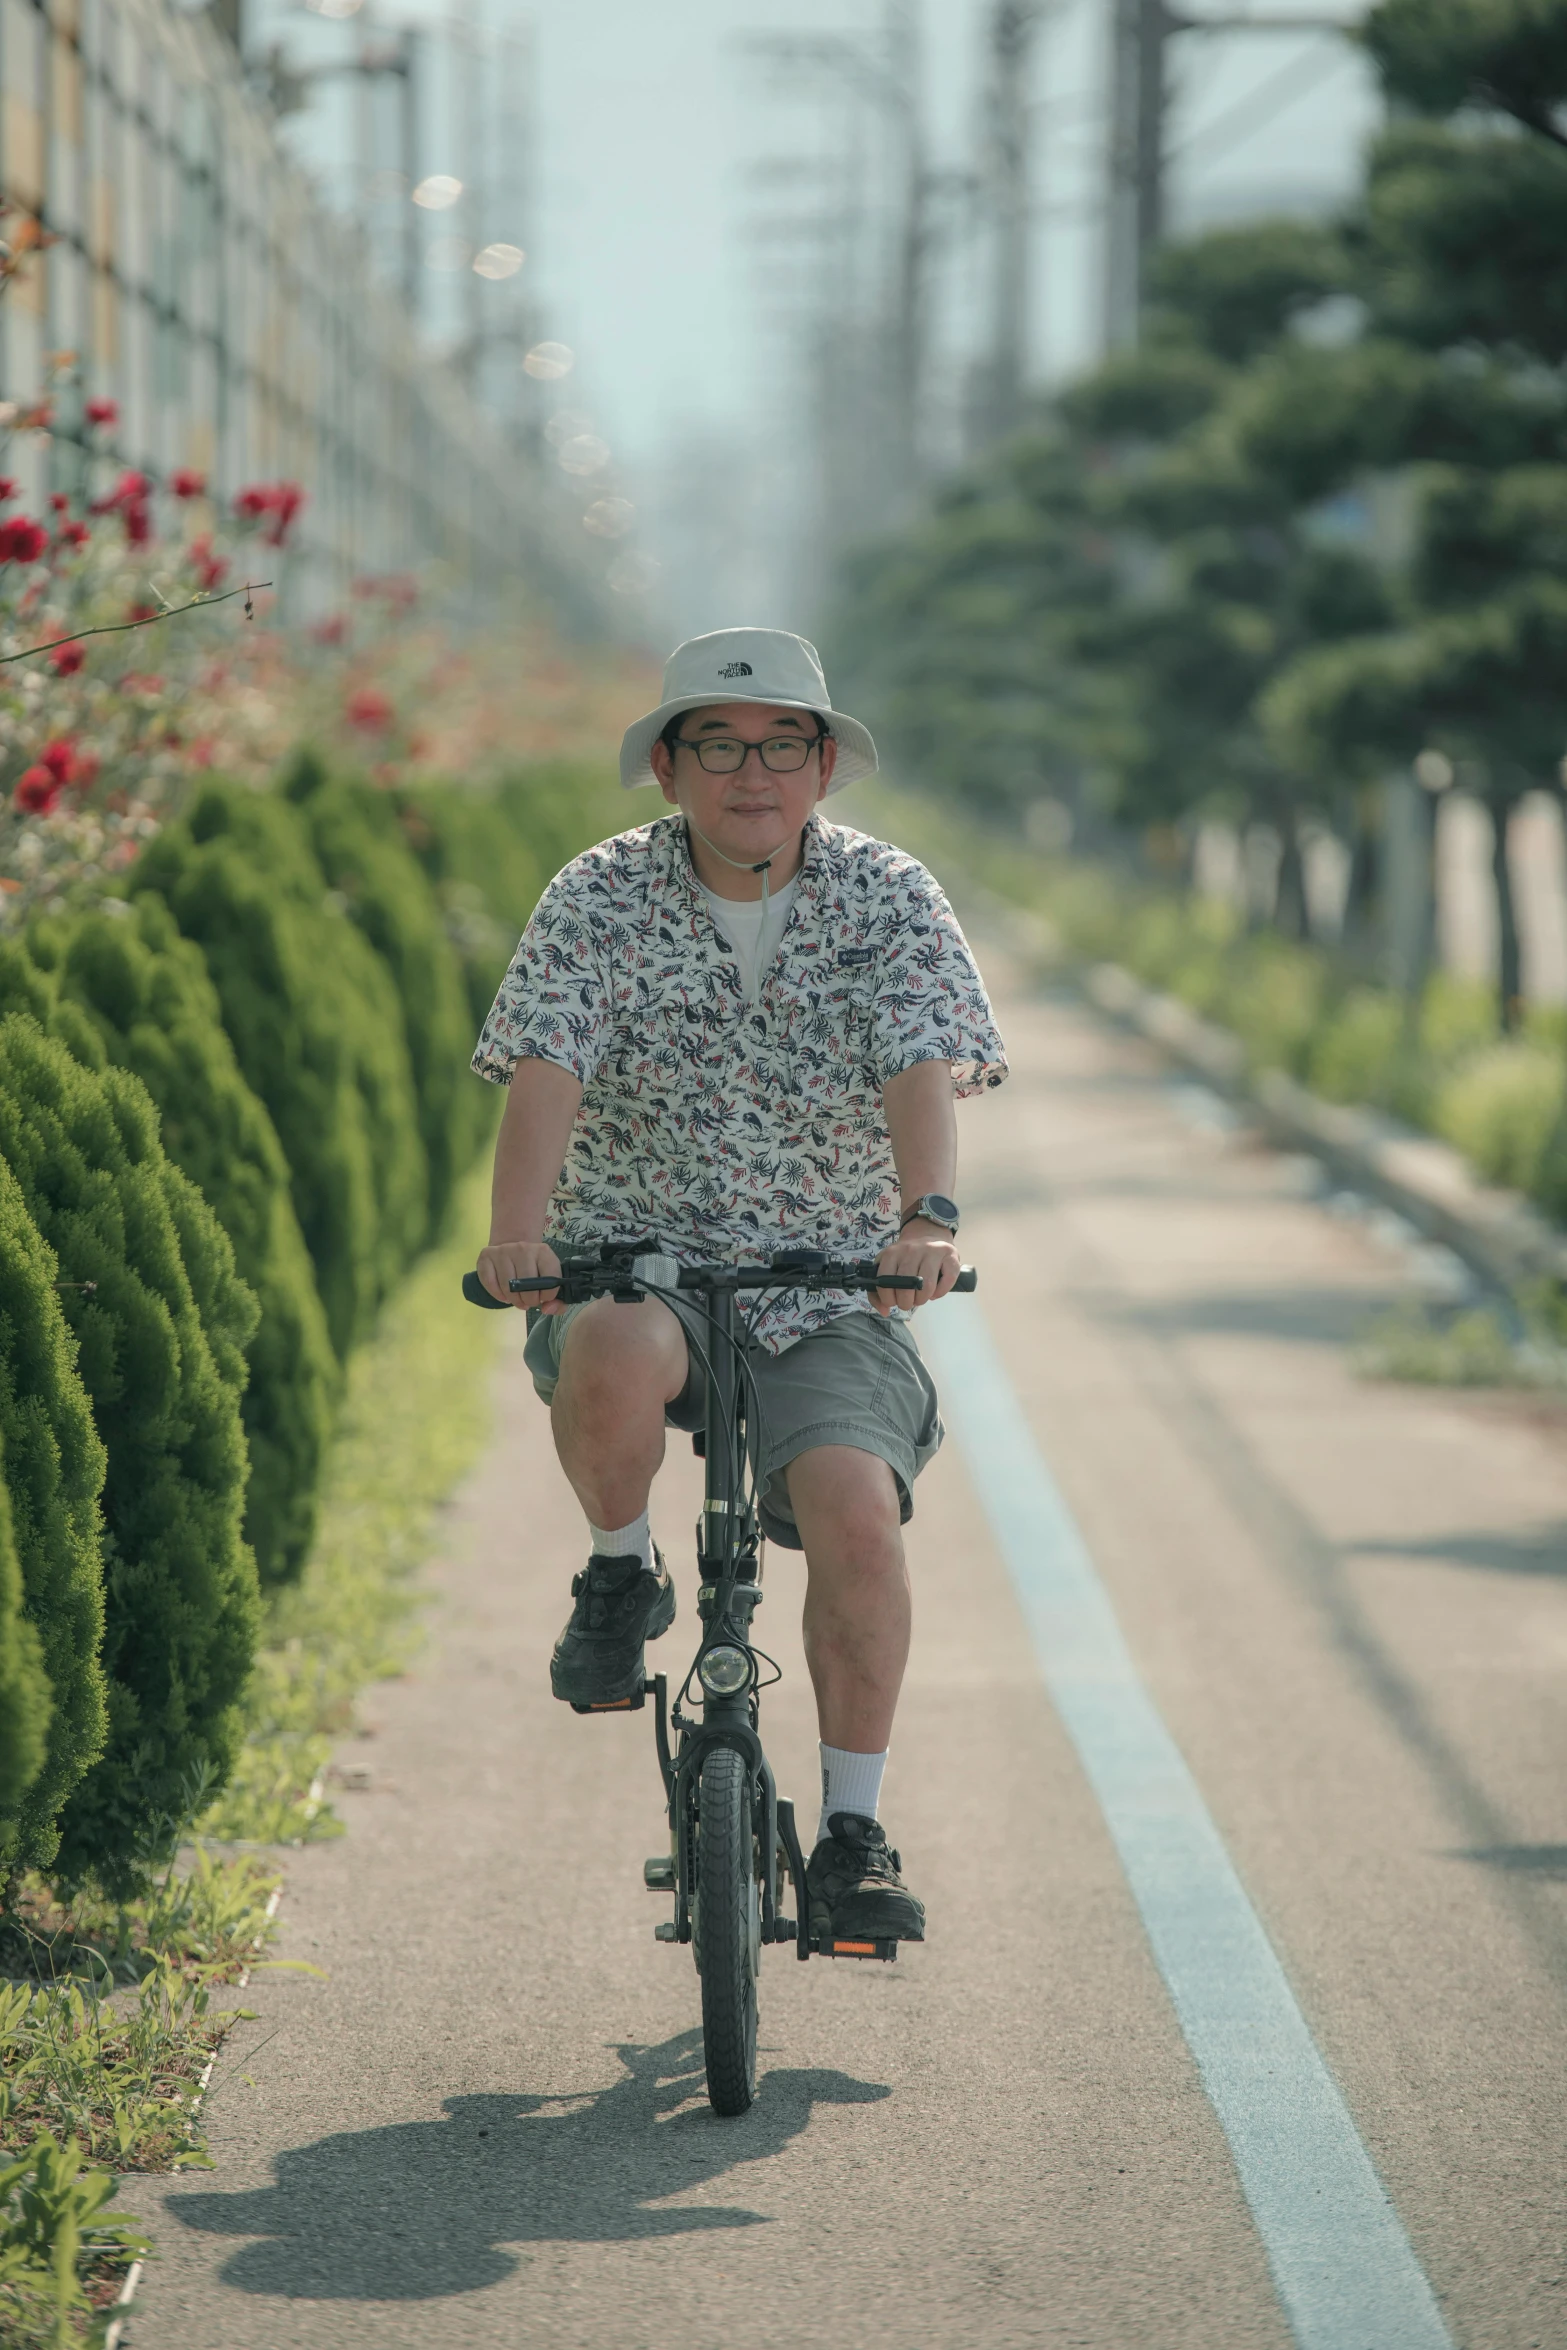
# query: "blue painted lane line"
[[1342, 2265]]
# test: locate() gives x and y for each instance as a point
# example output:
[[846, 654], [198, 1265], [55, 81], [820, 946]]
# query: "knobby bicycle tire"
[[727, 1929]]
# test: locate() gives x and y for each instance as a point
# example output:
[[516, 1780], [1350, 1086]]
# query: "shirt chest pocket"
[[828, 1023], [675, 1025]]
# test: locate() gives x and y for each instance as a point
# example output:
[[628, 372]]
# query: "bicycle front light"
[[724, 1671]]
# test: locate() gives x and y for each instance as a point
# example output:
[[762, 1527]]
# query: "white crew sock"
[[850, 1782], [622, 1542]]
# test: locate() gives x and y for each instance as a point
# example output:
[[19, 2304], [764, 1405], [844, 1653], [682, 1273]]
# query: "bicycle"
[[732, 1836]]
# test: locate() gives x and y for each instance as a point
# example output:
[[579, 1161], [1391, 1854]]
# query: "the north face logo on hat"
[[735, 669]]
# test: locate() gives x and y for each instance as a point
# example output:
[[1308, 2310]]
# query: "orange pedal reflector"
[[612, 1705], [854, 1949]]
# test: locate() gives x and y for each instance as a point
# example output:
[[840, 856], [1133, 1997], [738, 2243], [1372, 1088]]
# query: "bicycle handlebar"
[[627, 1275]]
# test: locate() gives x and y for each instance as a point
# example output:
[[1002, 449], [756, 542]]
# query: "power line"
[[1251, 113]]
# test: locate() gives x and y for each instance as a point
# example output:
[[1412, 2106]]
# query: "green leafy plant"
[[56, 2246]]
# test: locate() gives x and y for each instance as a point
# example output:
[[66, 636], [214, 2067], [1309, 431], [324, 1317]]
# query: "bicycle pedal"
[[658, 1874], [614, 1705], [838, 1946], [666, 1931]]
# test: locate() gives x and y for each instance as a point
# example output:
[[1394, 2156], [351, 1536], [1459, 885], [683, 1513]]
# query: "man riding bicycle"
[[737, 1029]]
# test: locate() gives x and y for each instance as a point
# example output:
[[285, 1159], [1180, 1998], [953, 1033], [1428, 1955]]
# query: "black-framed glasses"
[[725, 754]]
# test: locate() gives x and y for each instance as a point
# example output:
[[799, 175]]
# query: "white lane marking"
[[1341, 2262]]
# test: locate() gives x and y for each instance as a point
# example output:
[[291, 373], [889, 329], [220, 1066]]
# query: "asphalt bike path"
[[1345, 1605]]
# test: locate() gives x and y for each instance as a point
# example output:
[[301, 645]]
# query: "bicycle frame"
[[729, 1558]]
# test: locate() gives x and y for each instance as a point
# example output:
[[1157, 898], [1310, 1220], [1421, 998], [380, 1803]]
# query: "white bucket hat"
[[764, 665]]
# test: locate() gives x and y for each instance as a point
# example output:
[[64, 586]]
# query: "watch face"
[[945, 1210]]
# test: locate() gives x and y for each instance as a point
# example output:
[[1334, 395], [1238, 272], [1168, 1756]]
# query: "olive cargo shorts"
[[859, 1382]]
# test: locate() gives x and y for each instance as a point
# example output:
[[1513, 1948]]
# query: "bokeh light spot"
[[584, 453], [499, 260], [609, 518], [438, 192], [550, 361], [632, 575]]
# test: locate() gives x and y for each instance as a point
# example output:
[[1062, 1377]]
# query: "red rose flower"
[[38, 792], [22, 541], [60, 759], [275, 501], [59, 501], [73, 534], [369, 709], [7, 488], [65, 660], [102, 412], [211, 570], [186, 482]]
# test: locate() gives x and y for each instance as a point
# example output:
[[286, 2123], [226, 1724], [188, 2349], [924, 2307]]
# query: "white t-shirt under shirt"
[[739, 921]]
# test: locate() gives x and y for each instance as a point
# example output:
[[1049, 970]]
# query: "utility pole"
[[892, 324], [472, 149], [906, 341], [1013, 25], [1140, 31]]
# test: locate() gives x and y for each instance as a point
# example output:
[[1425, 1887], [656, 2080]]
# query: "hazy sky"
[[651, 120], [651, 113]]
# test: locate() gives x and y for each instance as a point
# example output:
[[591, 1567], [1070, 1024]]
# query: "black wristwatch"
[[931, 1208]]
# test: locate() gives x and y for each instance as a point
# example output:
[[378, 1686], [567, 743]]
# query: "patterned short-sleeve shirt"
[[730, 1127]]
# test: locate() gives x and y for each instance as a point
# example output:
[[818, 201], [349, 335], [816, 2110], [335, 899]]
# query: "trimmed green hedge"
[[161, 1320], [24, 1685], [1501, 1101], [318, 1031], [54, 1469], [365, 855], [152, 1009]]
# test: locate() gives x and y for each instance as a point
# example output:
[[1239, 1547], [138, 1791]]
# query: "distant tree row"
[[1314, 527]]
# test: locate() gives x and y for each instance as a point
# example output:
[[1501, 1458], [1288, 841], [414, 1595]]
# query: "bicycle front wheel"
[[727, 1928]]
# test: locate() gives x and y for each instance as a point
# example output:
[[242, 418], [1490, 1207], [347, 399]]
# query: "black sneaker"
[[620, 1603], [856, 1891]]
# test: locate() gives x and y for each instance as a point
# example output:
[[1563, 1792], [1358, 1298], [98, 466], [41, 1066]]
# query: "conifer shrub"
[[317, 1030], [54, 1469], [365, 855], [24, 1685], [161, 1321], [152, 1009], [486, 874]]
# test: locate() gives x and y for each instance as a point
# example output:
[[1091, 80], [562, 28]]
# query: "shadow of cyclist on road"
[[420, 2209]]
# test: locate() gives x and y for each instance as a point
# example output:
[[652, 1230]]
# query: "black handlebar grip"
[[474, 1291], [967, 1279]]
